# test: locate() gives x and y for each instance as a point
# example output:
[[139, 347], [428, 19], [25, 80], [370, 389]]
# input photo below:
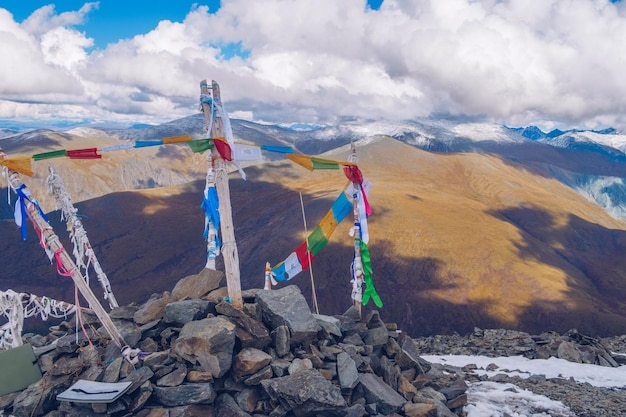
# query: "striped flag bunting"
[[298, 260]]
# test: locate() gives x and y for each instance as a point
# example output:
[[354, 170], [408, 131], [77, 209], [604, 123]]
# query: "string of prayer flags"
[[298, 260]]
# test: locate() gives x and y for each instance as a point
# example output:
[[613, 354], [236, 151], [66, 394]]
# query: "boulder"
[[209, 342], [306, 393], [287, 306]]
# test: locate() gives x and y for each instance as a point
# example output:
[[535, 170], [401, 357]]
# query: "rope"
[[308, 252], [19, 306]]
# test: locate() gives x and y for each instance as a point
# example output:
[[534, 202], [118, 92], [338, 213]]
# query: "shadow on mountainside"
[[591, 257], [147, 241]]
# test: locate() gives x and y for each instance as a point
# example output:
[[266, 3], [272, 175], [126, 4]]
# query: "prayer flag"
[[287, 269], [200, 145], [22, 165], [223, 148], [177, 139], [353, 173], [48, 155], [278, 149], [119, 147], [370, 291], [301, 160], [146, 143], [312, 163], [88, 153], [247, 153]]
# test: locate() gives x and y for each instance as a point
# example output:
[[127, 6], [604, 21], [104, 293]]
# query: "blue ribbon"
[[23, 198], [211, 205]]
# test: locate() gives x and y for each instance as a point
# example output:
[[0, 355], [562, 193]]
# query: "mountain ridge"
[[458, 239]]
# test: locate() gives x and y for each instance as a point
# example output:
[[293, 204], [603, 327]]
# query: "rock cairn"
[[273, 359]]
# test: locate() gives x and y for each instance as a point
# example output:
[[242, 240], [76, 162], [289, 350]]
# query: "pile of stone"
[[203, 357], [571, 346]]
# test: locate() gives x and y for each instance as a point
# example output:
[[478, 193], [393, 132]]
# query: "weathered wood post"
[[218, 164]]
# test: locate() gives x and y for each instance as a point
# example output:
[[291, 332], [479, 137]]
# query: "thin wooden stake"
[[308, 252]]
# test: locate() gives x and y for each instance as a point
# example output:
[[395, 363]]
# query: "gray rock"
[[227, 407], [248, 361], [250, 331], [184, 311], [112, 371], [209, 342], [282, 340], [174, 378], [331, 325], [409, 357], [197, 410], [153, 309], [196, 286], [376, 391], [131, 333], [306, 393], [299, 365], [185, 394], [287, 306], [247, 399], [39, 398], [347, 371], [138, 377], [569, 352]]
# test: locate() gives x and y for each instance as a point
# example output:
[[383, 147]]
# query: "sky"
[[491, 399], [549, 63]]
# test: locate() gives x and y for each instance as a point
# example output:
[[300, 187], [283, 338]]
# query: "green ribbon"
[[370, 291]]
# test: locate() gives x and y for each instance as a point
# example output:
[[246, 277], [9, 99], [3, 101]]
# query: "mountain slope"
[[457, 241]]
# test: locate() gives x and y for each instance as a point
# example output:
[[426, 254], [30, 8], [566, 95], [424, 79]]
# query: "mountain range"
[[473, 224]]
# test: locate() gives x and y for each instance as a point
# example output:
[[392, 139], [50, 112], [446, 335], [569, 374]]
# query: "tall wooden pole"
[[229, 244]]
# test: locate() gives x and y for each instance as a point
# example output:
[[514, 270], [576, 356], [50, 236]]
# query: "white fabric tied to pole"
[[19, 306], [83, 251]]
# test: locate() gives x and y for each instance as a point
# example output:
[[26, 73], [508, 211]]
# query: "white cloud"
[[550, 62]]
